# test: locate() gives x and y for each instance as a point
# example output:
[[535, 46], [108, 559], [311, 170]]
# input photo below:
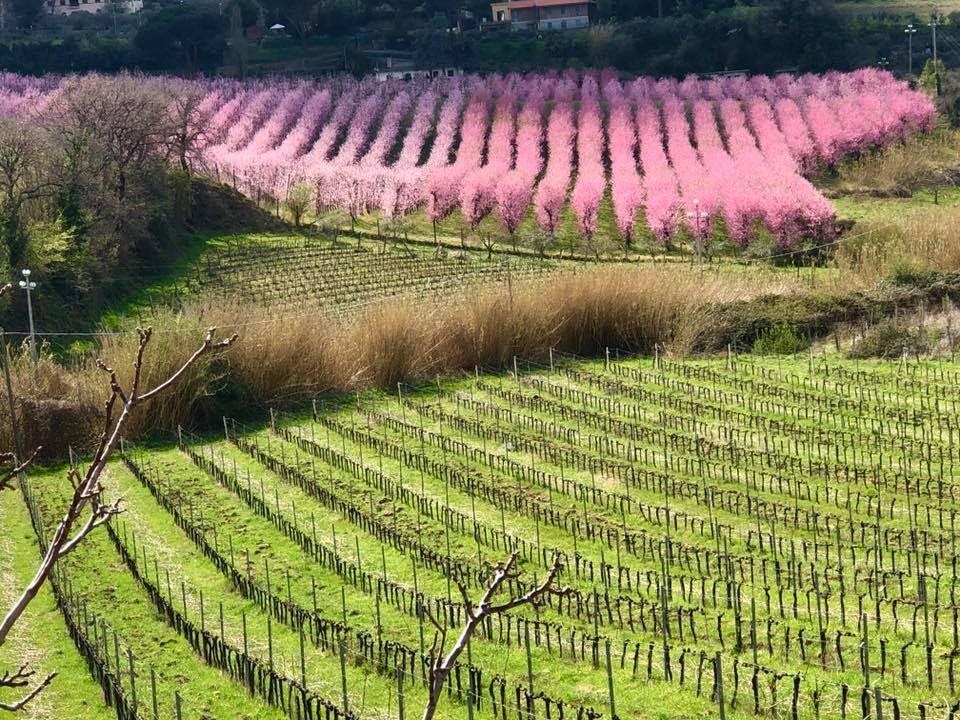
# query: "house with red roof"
[[543, 14]]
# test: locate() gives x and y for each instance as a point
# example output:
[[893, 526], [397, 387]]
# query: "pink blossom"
[[733, 147], [591, 179]]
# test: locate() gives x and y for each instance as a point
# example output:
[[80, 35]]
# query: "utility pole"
[[934, 22], [910, 30], [27, 285], [5, 360]]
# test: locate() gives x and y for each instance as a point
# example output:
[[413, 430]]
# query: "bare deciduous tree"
[[87, 491], [489, 242], [445, 662], [22, 148], [189, 131], [121, 121]]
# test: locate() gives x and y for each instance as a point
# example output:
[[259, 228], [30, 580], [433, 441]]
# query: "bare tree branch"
[[443, 665], [6, 480], [18, 679], [208, 346], [88, 490]]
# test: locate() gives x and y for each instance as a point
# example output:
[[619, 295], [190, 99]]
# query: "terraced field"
[[291, 271], [778, 536]]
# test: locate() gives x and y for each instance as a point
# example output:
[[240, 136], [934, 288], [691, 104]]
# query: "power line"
[[950, 40], [840, 240]]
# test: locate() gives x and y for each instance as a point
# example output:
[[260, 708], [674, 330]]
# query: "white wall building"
[[68, 7]]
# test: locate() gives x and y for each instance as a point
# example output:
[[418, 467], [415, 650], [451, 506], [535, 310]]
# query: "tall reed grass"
[[900, 169], [909, 242], [282, 359]]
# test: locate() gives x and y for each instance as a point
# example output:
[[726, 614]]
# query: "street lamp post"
[[934, 24], [28, 285], [910, 30], [883, 63]]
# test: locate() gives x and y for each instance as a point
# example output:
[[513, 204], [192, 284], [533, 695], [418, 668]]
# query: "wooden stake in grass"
[[270, 641], [718, 682], [303, 660], [153, 693], [526, 647], [343, 674], [133, 680], [470, 684], [613, 701]]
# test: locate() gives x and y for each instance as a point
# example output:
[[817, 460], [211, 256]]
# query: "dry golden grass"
[[280, 359], [402, 341], [919, 161], [912, 241], [60, 406]]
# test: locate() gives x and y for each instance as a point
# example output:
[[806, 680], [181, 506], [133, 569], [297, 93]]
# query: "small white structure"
[[68, 7], [396, 73]]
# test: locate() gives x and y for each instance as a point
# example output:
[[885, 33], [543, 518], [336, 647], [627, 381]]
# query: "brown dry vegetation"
[[926, 160], [908, 242], [280, 359]]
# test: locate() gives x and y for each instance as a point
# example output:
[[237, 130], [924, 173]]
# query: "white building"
[[417, 73], [543, 14], [68, 7], [405, 68]]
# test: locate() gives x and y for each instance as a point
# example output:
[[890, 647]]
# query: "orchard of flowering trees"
[[672, 156]]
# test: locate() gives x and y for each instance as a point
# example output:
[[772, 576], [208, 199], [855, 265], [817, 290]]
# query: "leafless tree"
[[87, 496], [120, 121], [445, 662], [189, 127], [489, 242], [22, 149]]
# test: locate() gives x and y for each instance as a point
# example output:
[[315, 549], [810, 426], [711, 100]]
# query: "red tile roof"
[[521, 4]]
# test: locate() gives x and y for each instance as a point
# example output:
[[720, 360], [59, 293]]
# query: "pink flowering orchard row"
[[591, 180], [626, 188], [551, 193], [671, 155]]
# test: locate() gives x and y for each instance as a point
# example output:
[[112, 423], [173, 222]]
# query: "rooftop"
[[520, 4]]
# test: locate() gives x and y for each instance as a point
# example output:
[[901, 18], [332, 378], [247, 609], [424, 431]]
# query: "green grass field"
[[772, 503]]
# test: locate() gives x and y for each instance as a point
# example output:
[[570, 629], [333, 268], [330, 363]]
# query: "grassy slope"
[[123, 604], [140, 297], [98, 574], [879, 209], [921, 8], [41, 636], [164, 542]]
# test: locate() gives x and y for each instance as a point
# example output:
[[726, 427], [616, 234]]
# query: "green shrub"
[[911, 274], [890, 339], [781, 339]]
